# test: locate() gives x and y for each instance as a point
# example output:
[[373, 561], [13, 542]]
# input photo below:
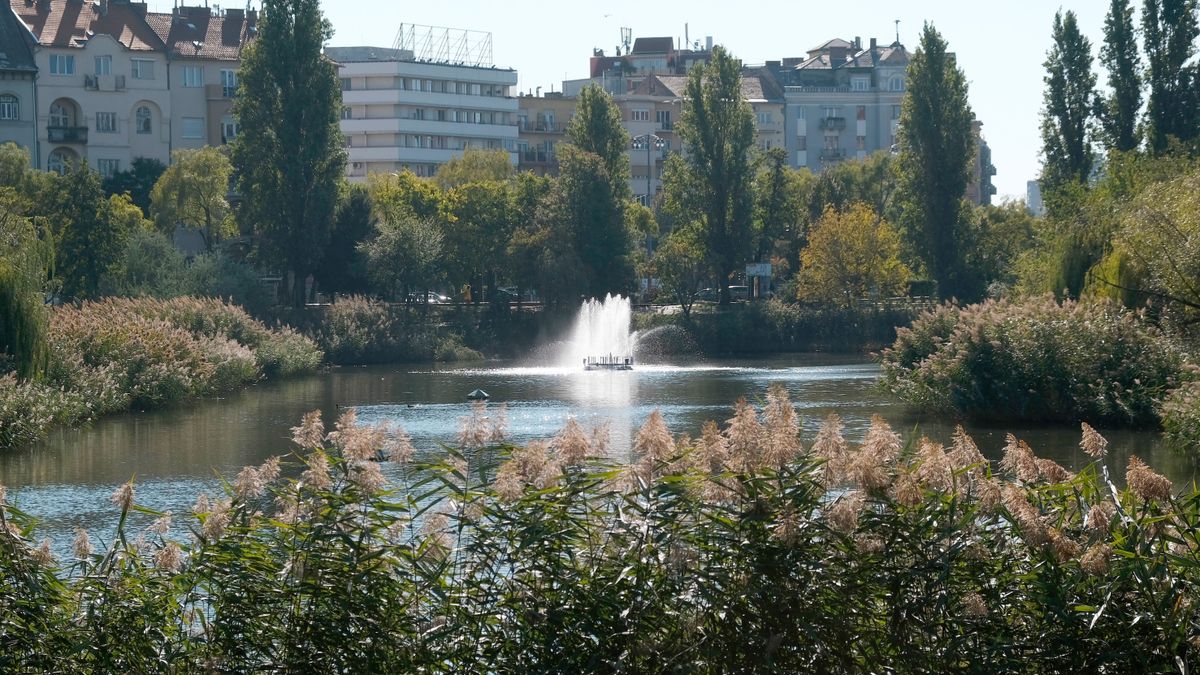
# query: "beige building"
[[18, 79], [541, 126]]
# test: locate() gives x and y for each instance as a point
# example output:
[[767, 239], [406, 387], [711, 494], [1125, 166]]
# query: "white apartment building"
[[400, 113]]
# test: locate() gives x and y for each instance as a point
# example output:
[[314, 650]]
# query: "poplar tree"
[[1118, 111], [1068, 104], [1169, 31], [713, 184], [596, 128], [936, 149], [288, 153]]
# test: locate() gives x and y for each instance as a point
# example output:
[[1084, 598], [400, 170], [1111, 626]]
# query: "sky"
[[1000, 46]]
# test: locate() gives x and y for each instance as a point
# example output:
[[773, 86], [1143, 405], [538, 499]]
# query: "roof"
[[198, 33], [835, 43], [895, 54], [755, 87], [15, 52], [71, 24], [653, 45], [366, 54]]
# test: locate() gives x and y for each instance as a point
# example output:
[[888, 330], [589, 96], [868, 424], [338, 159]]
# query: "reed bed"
[[739, 549]]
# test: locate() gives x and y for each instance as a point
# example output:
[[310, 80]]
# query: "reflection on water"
[[177, 453]]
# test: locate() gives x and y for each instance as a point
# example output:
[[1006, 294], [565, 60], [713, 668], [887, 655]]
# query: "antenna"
[[897, 31], [626, 38]]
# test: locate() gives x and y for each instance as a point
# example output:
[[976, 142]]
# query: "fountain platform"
[[608, 363]]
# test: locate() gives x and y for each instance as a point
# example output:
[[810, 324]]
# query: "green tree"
[[343, 268], [1169, 31], [395, 194], [192, 191], [1004, 233], [526, 256], [678, 263], [1068, 104], [476, 164], [590, 203], [288, 154], [596, 128], [137, 181], [404, 254], [936, 148], [851, 254], [150, 266], [91, 239], [25, 257], [714, 180], [476, 224], [1118, 111]]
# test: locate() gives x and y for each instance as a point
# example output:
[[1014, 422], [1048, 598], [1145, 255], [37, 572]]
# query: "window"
[[345, 84], [346, 112], [862, 143], [106, 122], [860, 83], [802, 143], [229, 83], [59, 162], [833, 111], [59, 116], [896, 83], [193, 127], [62, 64], [641, 116], [861, 113], [193, 76], [895, 112], [230, 129], [142, 120], [663, 117], [108, 167], [104, 65], [10, 107], [765, 117], [142, 69], [831, 142], [799, 112]]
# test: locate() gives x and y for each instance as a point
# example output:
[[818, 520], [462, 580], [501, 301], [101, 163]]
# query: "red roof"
[[196, 33], [71, 24]]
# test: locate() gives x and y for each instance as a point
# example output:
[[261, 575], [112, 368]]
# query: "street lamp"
[[649, 141]]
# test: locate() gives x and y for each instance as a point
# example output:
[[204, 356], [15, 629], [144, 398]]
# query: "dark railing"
[[833, 154], [67, 134], [833, 123], [537, 157], [540, 125]]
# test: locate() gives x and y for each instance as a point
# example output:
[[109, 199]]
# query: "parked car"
[[431, 297], [509, 294], [736, 293]]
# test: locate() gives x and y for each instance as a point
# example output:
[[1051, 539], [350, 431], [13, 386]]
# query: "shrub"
[[216, 275], [357, 330], [1181, 416], [1035, 359], [735, 551]]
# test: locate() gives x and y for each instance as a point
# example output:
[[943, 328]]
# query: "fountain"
[[601, 340]]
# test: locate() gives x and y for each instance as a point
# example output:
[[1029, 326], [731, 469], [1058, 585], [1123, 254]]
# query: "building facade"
[[979, 187], [842, 101], [116, 82], [403, 114], [541, 126], [18, 81]]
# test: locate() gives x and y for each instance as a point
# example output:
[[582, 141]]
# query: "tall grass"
[[357, 330], [738, 550], [121, 354], [1036, 359]]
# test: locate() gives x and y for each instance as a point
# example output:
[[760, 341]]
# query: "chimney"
[[235, 15], [139, 8], [873, 44], [251, 17], [103, 7], [708, 43]]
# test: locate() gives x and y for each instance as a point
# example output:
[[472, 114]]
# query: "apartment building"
[[541, 126], [979, 187], [624, 73], [842, 101], [18, 79], [116, 82], [400, 113]]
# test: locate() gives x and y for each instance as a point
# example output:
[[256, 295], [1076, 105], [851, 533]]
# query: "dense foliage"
[[122, 354], [1035, 359], [357, 330], [738, 550]]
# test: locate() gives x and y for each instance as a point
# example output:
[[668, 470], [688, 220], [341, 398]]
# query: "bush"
[[1181, 416], [1035, 359], [357, 330], [119, 354], [216, 275], [738, 551]]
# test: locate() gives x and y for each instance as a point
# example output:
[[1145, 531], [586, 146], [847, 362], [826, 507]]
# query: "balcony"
[[104, 82], [537, 157], [832, 154], [77, 135], [542, 125], [833, 123]]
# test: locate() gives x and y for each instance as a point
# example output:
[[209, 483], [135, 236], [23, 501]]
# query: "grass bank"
[[775, 326], [136, 354], [735, 550]]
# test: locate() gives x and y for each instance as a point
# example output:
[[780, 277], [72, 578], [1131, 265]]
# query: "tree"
[[679, 265], [25, 256], [476, 223], [850, 255], [394, 194], [192, 191], [526, 258], [150, 265], [1169, 30], [137, 181], [474, 165], [1068, 104], [343, 268], [91, 239], [589, 200], [596, 128], [714, 179], [289, 154], [936, 148], [1118, 112], [404, 254]]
